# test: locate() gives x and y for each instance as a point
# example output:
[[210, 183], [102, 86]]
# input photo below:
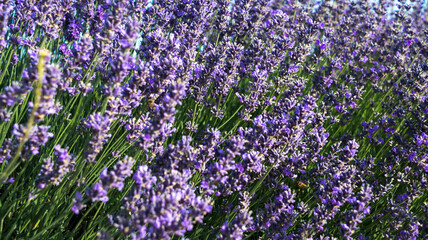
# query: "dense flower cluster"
[[225, 119]]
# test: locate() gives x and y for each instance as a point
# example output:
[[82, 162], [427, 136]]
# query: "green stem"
[[37, 96]]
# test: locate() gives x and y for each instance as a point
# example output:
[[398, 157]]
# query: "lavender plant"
[[197, 119]]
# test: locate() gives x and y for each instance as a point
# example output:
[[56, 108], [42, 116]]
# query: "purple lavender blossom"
[[111, 179], [100, 125], [53, 172]]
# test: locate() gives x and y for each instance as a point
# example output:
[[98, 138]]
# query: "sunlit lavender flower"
[[111, 179], [53, 171], [100, 125], [158, 207]]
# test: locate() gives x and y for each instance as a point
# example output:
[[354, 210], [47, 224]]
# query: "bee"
[[151, 102], [302, 185]]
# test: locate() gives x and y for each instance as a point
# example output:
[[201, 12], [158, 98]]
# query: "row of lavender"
[[203, 119]]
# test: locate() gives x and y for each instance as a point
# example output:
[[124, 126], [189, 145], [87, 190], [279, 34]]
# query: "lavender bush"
[[201, 119]]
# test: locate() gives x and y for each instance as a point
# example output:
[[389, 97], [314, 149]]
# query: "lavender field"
[[213, 119]]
